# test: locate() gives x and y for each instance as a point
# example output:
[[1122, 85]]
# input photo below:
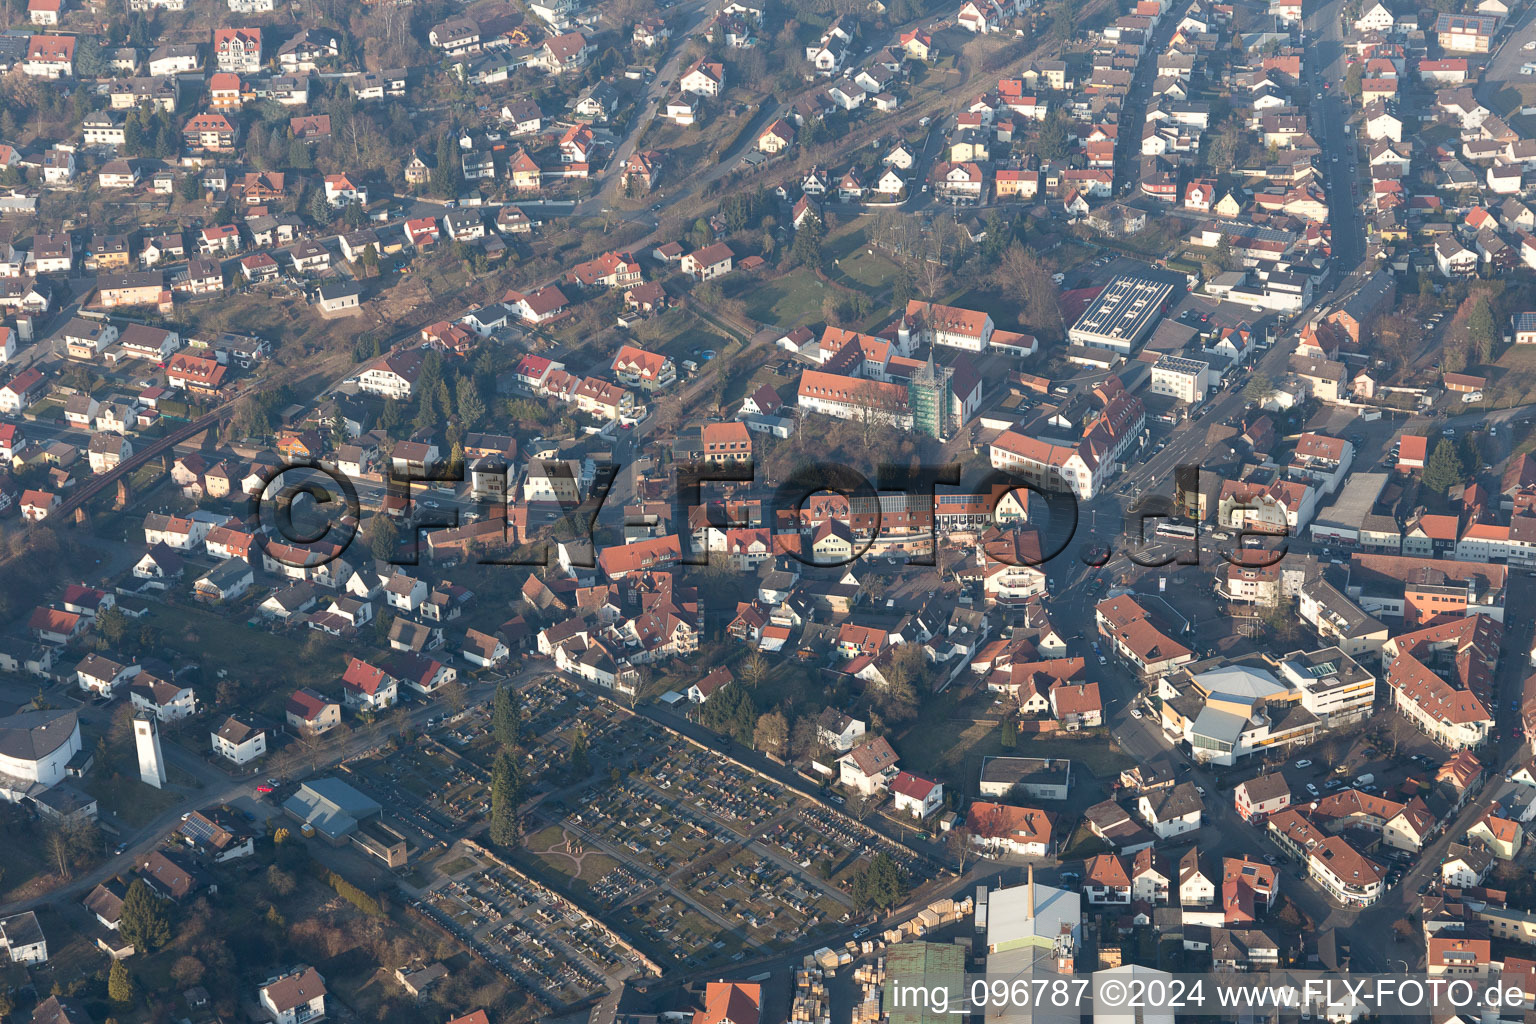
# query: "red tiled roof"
[[307, 704], [914, 787], [363, 677]]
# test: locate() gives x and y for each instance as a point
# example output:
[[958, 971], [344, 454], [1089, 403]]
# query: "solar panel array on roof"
[[1125, 310], [198, 828]]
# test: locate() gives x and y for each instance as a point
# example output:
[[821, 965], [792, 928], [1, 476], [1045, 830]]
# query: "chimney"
[[1031, 891]]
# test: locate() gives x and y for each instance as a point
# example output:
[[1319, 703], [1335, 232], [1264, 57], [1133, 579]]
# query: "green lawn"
[[867, 270], [850, 261], [1511, 98], [22, 853], [48, 409], [458, 866], [1083, 844], [132, 800], [676, 334], [947, 741], [1092, 752], [844, 241], [789, 301], [1514, 380], [685, 147], [594, 865]]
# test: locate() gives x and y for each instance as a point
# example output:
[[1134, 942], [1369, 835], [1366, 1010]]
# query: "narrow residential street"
[[219, 787]]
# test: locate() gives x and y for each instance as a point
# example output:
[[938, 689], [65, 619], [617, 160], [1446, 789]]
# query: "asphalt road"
[[1128, 143], [1324, 66], [220, 787], [655, 93]]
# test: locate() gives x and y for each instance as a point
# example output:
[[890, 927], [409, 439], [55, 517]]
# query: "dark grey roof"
[[22, 930], [1039, 771], [65, 799], [33, 735], [338, 289], [236, 731], [1168, 804]]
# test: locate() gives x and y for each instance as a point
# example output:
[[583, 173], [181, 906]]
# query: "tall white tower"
[[146, 736]]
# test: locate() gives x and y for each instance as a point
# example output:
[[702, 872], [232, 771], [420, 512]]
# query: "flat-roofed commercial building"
[[1123, 314], [382, 841], [1346, 520], [1186, 380], [1333, 685]]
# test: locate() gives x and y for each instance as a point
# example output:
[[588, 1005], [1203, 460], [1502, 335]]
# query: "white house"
[[1173, 811], [1454, 260], [405, 593], [102, 675], [1465, 866], [238, 741], [168, 701], [1377, 18], [22, 937], [704, 78], [1348, 876], [295, 997], [839, 731], [363, 685], [394, 375], [483, 649], [1196, 889], [868, 768], [1021, 831], [705, 688], [916, 795]]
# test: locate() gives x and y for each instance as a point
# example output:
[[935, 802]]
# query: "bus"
[[1174, 531]]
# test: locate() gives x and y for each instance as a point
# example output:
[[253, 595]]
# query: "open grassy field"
[[1513, 381], [677, 333], [685, 147], [457, 866], [859, 266], [23, 854], [131, 800], [1512, 96], [792, 300], [867, 270], [947, 740]]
